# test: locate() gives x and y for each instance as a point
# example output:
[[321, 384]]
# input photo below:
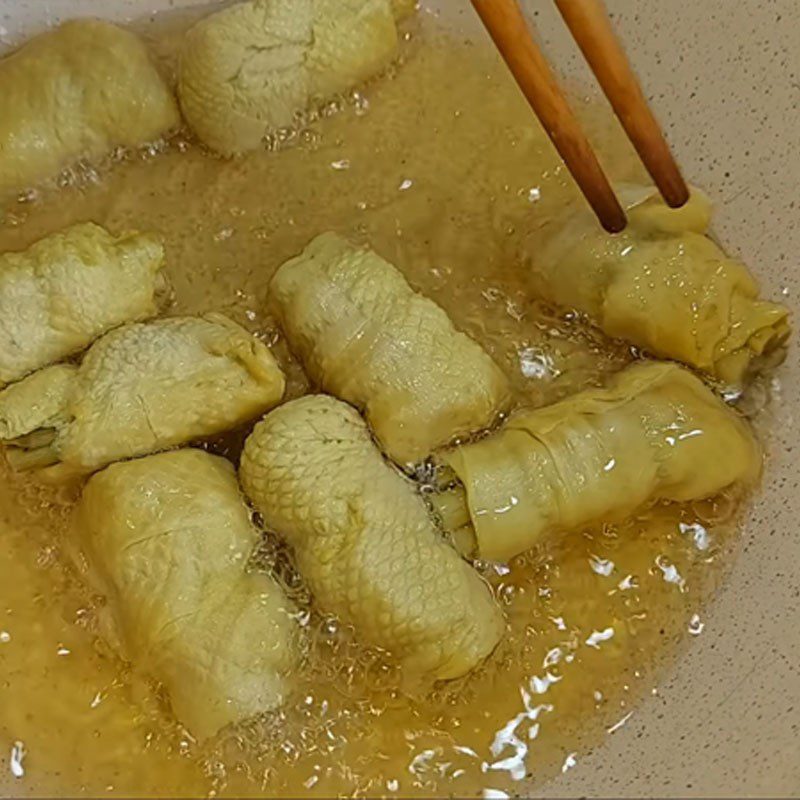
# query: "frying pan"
[[724, 79]]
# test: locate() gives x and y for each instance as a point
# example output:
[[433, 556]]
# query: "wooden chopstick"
[[591, 28], [508, 28]]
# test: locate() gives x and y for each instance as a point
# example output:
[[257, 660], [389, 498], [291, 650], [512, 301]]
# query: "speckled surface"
[[725, 80]]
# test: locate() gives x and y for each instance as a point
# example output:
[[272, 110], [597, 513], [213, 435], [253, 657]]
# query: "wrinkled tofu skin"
[[64, 291], [366, 337], [664, 286], [142, 388], [249, 69], [166, 540], [656, 432], [363, 540], [77, 93], [33, 408]]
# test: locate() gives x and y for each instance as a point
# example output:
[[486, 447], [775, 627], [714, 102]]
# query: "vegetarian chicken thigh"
[[364, 541]]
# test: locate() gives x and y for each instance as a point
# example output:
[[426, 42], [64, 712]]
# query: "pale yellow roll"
[[67, 289], [249, 69], [664, 286], [77, 92], [167, 539], [142, 388], [363, 540], [364, 335], [656, 432]]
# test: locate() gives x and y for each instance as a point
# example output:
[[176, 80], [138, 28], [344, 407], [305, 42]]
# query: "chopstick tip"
[[677, 196], [616, 225], [609, 211]]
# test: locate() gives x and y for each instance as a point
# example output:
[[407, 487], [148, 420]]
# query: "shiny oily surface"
[[444, 179]]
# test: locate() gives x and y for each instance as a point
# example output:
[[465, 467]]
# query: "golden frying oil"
[[442, 169]]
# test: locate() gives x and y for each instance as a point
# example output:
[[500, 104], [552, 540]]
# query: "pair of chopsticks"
[[590, 27]]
